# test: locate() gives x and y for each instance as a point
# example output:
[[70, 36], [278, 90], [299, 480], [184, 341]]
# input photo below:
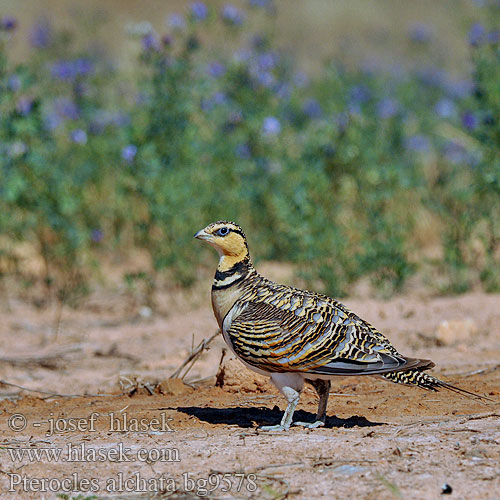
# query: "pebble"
[[455, 331], [446, 489], [349, 470]]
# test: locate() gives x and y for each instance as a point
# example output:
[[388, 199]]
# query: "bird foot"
[[310, 425], [277, 427]]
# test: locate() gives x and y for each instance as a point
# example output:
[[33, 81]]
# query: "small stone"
[[476, 453], [446, 489], [349, 470], [145, 312], [455, 331]]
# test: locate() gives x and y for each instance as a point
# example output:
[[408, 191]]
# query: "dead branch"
[[131, 387], [193, 357], [51, 360], [114, 352], [221, 372], [479, 417], [277, 466], [477, 372], [55, 394], [330, 461]]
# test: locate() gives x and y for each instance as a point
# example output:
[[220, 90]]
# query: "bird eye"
[[222, 231]]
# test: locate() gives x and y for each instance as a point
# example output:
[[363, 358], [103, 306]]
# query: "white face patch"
[[219, 250]]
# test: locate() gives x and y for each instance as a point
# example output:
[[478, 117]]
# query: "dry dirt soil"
[[88, 410]]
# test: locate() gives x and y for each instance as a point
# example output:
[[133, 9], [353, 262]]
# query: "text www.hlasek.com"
[[84, 453]]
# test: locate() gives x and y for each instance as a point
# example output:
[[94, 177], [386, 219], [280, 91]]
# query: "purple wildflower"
[[150, 42], [219, 98], [41, 34], [24, 105], [216, 69], [312, 108], [83, 66], [420, 33], [120, 119], [458, 88], [176, 21], [69, 70], [79, 136], [469, 120], [387, 108], [418, 143], [8, 23], [283, 90], [454, 152], [232, 15], [342, 120], [271, 126], [199, 11], [477, 34], [445, 108], [129, 152], [267, 61], [243, 55], [17, 149], [96, 235], [359, 94], [66, 108], [215, 100], [14, 83], [243, 151], [300, 79], [265, 78], [354, 109], [431, 76], [52, 121], [104, 118]]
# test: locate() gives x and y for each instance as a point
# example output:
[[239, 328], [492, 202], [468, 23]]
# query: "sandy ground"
[[381, 440]]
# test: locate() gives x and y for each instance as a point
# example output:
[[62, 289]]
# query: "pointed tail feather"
[[426, 381]]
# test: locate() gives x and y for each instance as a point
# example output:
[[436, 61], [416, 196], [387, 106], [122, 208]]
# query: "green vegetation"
[[348, 174]]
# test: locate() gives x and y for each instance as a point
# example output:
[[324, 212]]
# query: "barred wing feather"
[[334, 341]]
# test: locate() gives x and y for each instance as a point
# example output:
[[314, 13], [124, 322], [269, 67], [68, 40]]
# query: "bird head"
[[226, 237]]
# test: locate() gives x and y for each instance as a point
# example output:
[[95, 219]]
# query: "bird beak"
[[202, 235]]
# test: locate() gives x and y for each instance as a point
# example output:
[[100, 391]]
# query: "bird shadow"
[[250, 417]]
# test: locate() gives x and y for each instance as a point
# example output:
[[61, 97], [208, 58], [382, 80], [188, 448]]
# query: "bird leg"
[[292, 397], [290, 385], [322, 387]]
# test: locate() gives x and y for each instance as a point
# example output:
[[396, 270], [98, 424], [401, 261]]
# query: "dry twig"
[[195, 354], [55, 394], [477, 372], [51, 360]]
